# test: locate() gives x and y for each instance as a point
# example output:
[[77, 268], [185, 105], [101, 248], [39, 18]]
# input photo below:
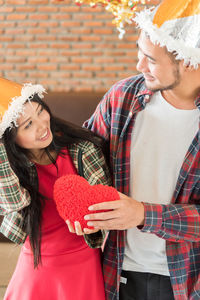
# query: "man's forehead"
[[144, 36], [144, 41]]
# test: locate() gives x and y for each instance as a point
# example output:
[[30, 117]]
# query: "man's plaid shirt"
[[177, 223], [89, 162]]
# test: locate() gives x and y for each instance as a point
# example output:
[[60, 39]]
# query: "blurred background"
[[64, 46], [74, 51]]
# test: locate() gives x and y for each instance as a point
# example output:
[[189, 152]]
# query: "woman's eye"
[[28, 125], [41, 109]]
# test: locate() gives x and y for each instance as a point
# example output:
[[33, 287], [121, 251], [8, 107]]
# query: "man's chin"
[[151, 86]]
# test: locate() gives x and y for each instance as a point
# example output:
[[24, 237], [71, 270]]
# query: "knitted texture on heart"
[[73, 195]]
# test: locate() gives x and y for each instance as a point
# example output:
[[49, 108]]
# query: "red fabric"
[[73, 195]]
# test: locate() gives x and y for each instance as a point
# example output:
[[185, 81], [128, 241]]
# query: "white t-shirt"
[[161, 137]]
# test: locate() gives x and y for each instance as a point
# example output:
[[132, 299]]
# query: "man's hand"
[[123, 214]]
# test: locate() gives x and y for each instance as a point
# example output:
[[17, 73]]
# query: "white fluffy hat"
[[176, 25], [12, 99]]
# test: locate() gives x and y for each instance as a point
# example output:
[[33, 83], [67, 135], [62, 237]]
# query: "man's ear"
[[188, 67]]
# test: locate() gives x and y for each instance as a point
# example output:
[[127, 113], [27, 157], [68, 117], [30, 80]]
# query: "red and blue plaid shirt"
[[179, 222]]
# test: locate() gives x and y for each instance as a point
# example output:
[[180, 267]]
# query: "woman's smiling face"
[[33, 131]]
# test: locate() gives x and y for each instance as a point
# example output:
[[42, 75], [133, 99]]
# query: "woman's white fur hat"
[[12, 99]]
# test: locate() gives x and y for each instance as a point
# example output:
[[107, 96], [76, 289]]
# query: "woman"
[[54, 263]]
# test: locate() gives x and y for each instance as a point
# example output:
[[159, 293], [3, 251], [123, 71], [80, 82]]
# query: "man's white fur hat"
[[176, 25]]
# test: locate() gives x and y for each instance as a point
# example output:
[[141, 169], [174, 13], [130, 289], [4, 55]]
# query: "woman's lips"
[[45, 136]]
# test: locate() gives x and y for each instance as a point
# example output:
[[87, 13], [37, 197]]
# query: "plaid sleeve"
[[173, 222], [99, 122], [11, 227], [95, 172], [95, 168], [95, 240], [13, 197]]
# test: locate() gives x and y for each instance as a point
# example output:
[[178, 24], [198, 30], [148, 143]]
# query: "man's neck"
[[180, 98], [183, 96]]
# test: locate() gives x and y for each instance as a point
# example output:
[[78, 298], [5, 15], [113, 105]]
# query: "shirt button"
[[147, 97]]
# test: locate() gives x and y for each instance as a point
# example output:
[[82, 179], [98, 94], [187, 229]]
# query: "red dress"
[[70, 270]]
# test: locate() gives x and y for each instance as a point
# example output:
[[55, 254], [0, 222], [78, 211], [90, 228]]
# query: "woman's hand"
[[78, 230]]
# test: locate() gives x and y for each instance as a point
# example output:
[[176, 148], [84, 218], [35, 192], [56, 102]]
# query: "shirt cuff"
[[153, 217]]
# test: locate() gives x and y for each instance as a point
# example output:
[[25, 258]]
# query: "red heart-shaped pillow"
[[73, 195]]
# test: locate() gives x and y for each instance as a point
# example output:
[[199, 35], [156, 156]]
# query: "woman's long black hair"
[[64, 134]]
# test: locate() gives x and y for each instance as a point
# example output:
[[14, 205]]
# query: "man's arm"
[[99, 122], [174, 222]]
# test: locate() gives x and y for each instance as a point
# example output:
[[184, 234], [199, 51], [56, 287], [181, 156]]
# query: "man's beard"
[[171, 86]]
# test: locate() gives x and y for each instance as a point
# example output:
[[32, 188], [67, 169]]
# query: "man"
[[152, 124]]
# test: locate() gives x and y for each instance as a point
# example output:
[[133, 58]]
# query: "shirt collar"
[[144, 95], [197, 102]]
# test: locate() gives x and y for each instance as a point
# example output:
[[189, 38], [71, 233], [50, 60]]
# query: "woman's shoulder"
[[83, 145]]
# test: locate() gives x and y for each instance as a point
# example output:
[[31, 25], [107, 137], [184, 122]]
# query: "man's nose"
[[142, 65]]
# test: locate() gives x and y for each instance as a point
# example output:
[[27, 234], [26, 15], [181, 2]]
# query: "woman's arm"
[[13, 197], [95, 171]]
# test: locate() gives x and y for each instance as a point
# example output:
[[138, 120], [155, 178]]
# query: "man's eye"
[[151, 61]]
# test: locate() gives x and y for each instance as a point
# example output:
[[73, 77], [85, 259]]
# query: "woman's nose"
[[41, 125]]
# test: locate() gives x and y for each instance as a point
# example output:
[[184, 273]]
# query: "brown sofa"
[[73, 107]]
